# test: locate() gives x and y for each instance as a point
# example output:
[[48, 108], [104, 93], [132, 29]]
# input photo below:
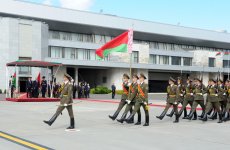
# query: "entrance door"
[[22, 83], [71, 72]]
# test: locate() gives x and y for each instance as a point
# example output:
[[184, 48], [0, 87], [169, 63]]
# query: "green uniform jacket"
[[208, 94], [133, 92], [124, 96], [180, 92], [142, 93], [188, 90], [213, 97], [222, 93], [199, 91], [228, 94], [66, 94], [171, 94]]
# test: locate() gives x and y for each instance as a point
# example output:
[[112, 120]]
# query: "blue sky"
[[205, 14]]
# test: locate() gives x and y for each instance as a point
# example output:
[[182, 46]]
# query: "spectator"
[[113, 87], [29, 88]]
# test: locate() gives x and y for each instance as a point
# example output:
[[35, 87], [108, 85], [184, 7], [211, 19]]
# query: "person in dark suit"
[[35, 88], [113, 87], [43, 86], [74, 90], [29, 87]]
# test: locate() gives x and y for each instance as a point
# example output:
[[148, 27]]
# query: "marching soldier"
[[206, 103], [171, 100], [131, 101], [227, 109], [124, 97], [43, 86], [199, 91], [141, 100], [222, 96], [188, 99], [65, 102], [213, 102]]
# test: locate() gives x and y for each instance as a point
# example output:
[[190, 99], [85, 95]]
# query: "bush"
[[119, 92], [0, 91], [5, 91], [100, 90]]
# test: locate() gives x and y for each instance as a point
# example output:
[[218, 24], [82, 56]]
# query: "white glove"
[[128, 101], [65, 105], [145, 103], [224, 94], [181, 94], [216, 94], [191, 94]]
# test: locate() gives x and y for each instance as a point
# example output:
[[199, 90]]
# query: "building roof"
[[95, 23], [26, 63]]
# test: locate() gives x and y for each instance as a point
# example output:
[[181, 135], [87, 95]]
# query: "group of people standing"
[[192, 93], [33, 87], [82, 89]]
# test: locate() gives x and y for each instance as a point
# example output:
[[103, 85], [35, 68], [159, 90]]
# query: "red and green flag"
[[122, 43]]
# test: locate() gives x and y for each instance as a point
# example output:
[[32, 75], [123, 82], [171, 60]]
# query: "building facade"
[[38, 32]]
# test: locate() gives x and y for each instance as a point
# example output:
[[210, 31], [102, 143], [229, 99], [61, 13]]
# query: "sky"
[[204, 14]]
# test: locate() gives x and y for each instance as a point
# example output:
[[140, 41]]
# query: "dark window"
[[187, 61], [104, 79], [226, 63], [211, 62], [135, 57], [176, 60], [153, 59]]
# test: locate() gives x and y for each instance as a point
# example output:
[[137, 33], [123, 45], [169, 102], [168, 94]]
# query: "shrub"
[[5, 91], [0, 91], [119, 92], [100, 90]]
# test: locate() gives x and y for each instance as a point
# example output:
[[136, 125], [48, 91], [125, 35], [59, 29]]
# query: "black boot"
[[176, 118], [205, 117], [226, 118], [114, 116], [189, 117], [138, 119], [214, 116], [220, 118], [171, 114], [180, 113], [162, 115], [209, 113], [185, 113], [122, 118], [129, 119], [72, 126], [194, 116], [51, 121], [202, 114], [146, 121]]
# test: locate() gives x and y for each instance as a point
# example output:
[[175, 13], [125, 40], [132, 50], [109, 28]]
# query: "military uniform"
[[141, 100], [213, 102], [43, 87], [171, 101], [227, 109], [199, 91], [66, 100], [222, 96], [132, 98], [188, 99], [123, 102]]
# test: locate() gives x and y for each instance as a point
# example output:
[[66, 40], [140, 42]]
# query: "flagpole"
[[228, 64], [130, 48]]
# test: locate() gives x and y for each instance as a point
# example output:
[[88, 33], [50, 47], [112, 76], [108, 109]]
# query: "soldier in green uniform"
[[199, 91], [213, 102], [131, 101], [206, 103], [222, 96], [65, 102], [124, 97], [171, 100], [188, 98], [141, 100], [227, 109], [180, 96]]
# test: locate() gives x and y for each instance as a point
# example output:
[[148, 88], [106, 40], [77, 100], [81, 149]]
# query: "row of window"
[[101, 39], [165, 60]]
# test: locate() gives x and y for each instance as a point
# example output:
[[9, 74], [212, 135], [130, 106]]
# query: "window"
[[66, 36], [163, 60], [135, 56], [104, 79], [86, 54], [187, 61], [24, 70], [56, 52], [176, 60], [211, 62], [226, 63], [153, 59]]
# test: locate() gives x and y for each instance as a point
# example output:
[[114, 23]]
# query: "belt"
[[172, 95], [199, 93], [64, 95], [213, 94]]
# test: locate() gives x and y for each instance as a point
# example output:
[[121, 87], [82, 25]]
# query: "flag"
[[218, 53], [14, 80], [122, 43], [39, 78]]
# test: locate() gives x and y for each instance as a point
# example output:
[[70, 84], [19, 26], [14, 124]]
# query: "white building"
[[38, 32]]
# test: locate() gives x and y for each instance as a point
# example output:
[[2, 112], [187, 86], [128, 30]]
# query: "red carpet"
[[23, 98]]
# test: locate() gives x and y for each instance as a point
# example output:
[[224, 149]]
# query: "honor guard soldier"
[[66, 101], [213, 102], [188, 98], [141, 100], [171, 100], [222, 96], [199, 91], [131, 101], [227, 109], [124, 97], [43, 86]]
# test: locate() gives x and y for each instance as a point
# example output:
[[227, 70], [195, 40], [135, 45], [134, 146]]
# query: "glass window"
[[153, 59], [56, 52], [163, 60], [211, 62], [226, 63], [176, 60], [135, 56], [187, 61], [86, 54]]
